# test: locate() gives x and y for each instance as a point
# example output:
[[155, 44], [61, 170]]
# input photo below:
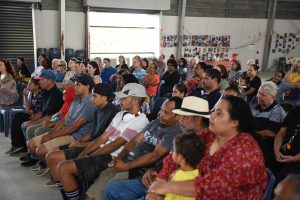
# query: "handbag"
[[286, 148]]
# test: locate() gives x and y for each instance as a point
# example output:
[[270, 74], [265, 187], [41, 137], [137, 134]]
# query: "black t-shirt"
[[171, 78], [52, 102], [254, 83], [213, 97], [102, 118], [123, 66], [290, 122], [24, 71]]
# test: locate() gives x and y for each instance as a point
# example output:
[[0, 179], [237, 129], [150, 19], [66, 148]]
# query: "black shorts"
[[73, 153], [90, 167]]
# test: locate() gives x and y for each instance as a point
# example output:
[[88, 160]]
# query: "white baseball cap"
[[132, 89]]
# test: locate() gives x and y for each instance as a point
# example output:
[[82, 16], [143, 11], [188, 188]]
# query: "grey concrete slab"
[[20, 183]]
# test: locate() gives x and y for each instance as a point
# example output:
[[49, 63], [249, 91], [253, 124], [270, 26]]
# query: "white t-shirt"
[[125, 125], [37, 71]]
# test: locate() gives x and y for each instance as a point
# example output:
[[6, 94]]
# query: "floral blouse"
[[233, 76], [192, 84], [235, 171], [8, 90]]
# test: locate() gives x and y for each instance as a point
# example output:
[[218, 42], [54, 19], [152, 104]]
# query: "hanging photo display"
[[169, 41], [284, 43], [222, 41], [204, 46]]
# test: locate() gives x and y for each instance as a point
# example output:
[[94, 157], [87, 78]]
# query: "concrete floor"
[[20, 183]]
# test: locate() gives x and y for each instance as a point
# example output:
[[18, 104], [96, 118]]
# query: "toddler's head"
[[188, 149]]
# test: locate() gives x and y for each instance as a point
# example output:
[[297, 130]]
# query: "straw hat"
[[193, 106]]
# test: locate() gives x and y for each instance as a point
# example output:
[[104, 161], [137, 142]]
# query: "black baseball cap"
[[103, 89], [84, 79]]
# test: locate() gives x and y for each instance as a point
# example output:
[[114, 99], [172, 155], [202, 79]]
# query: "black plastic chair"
[[69, 53], [41, 51], [80, 54], [54, 53]]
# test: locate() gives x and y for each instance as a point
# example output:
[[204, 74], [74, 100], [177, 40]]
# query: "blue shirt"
[[106, 73], [140, 74], [60, 77], [81, 109]]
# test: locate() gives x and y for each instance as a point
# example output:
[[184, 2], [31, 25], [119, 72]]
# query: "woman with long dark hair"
[[8, 86], [24, 73], [182, 68], [93, 71], [231, 154], [234, 72], [44, 63], [253, 83]]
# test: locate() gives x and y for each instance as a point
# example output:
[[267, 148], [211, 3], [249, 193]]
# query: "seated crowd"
[[156, 130]]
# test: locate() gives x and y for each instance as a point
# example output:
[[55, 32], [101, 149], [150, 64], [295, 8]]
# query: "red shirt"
[[151, 90], [235, 171], [69, 96]]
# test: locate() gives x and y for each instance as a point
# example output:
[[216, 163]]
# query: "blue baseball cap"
[[46, 74]]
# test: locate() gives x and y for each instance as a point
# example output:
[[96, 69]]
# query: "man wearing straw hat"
[[194, 114]]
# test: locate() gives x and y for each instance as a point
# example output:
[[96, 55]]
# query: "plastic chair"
[[80, 54], [270, 186], [281, 63], [69, 53], [54, 53], [5, 110], [41, 51]]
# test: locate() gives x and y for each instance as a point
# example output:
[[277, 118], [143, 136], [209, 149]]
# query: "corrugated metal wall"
[[16, 34]]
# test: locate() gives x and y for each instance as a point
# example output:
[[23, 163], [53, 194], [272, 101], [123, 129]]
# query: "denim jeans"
[[132, 189], [97, 189]]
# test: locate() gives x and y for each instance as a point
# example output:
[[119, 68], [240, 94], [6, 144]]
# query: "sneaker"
[[18, 151], [25, 158], [50, 183], [42, 172], [30, 162], [12, 149], [36, 167]]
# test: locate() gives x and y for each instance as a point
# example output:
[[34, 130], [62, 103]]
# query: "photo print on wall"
[[197, 45], [284, 43]]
